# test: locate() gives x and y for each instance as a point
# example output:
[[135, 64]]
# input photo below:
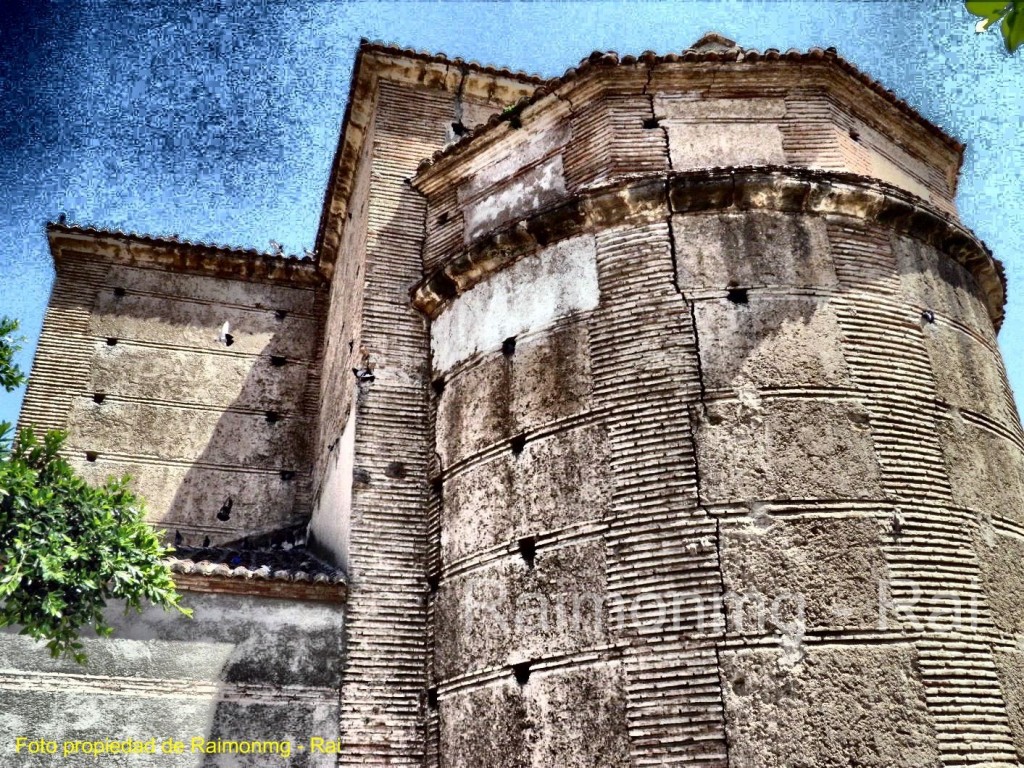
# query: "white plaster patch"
[[331, 522], [515, 199], [530, 294], [531, 147]]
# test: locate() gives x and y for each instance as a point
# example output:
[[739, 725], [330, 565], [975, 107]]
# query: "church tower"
[[652, 415]]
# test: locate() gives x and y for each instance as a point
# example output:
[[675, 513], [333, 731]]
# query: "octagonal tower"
[[727, 470]]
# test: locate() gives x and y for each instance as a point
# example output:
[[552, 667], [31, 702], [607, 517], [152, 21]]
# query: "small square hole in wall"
[[272, 417], [508, 346], [119, 292], [287, 475], [521, 672], [91, 456], [855, 134], [98, 397], [528, 550], [433, 582], [442, 218], [432, 698], [459, 129], [518, 443], [651, 123], [225, 510], [437, 385], [277, 360], [111, 341], [738, 295], [280, 314]]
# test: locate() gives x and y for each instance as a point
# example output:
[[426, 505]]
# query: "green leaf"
[[1013, 28], [990, 10]]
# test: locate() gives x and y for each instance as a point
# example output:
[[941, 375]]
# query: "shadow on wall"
[[199, 393]]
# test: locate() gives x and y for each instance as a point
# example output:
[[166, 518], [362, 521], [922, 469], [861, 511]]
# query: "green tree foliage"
[[67, 547], [11, 376], [1009, 14]]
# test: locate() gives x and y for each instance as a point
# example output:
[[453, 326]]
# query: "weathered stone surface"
[[473, 411], [574, 718], [188, 498], [555, 482], [228, 439], [1002, 574], [968, 375], [165, 321], [171, 375], [486, 728], [508, 612], [751, 449], [934, 281], [579, 716], [717, 145], [546, 378], [851, 705], [986, 470], [782, 570], [551, 377], [213, 290], [769, 342], [1010, 665], [529, 295], [530, 190], [749, 249]]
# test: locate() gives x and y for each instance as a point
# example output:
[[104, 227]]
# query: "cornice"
[[640, 199], [180, 255]]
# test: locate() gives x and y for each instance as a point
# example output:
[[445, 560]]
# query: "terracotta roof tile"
[[295, 565], [394, 50], [710, 48], [173, 240]]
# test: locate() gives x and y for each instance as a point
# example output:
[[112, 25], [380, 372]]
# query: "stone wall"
[[242, 669], [722, 454], [372, 494], [133, 363]]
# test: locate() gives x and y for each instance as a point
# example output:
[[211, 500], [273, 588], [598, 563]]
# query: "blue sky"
[[219, 123]]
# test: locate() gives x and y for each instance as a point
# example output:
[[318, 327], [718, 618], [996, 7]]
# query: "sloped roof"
[[295, 565], [712, 47]]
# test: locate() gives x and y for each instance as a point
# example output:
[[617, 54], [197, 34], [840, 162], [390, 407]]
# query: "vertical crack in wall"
[[664, 132], [702, 406]]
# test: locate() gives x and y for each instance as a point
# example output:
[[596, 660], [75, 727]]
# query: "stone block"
[[507, 612], [1002, 574], [173, 375], [815, 573], [848, 705], [723, 144], [770, 341], [523, 194], [555, 482], [936, 281], [786, 448], [986, 471], [527, 296], [755, 248], [474, 410], [551, 377]]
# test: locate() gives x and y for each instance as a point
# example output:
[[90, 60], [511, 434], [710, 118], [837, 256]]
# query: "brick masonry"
[[660, 421]]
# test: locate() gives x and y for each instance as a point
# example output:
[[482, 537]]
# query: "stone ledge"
[[645, 198]]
